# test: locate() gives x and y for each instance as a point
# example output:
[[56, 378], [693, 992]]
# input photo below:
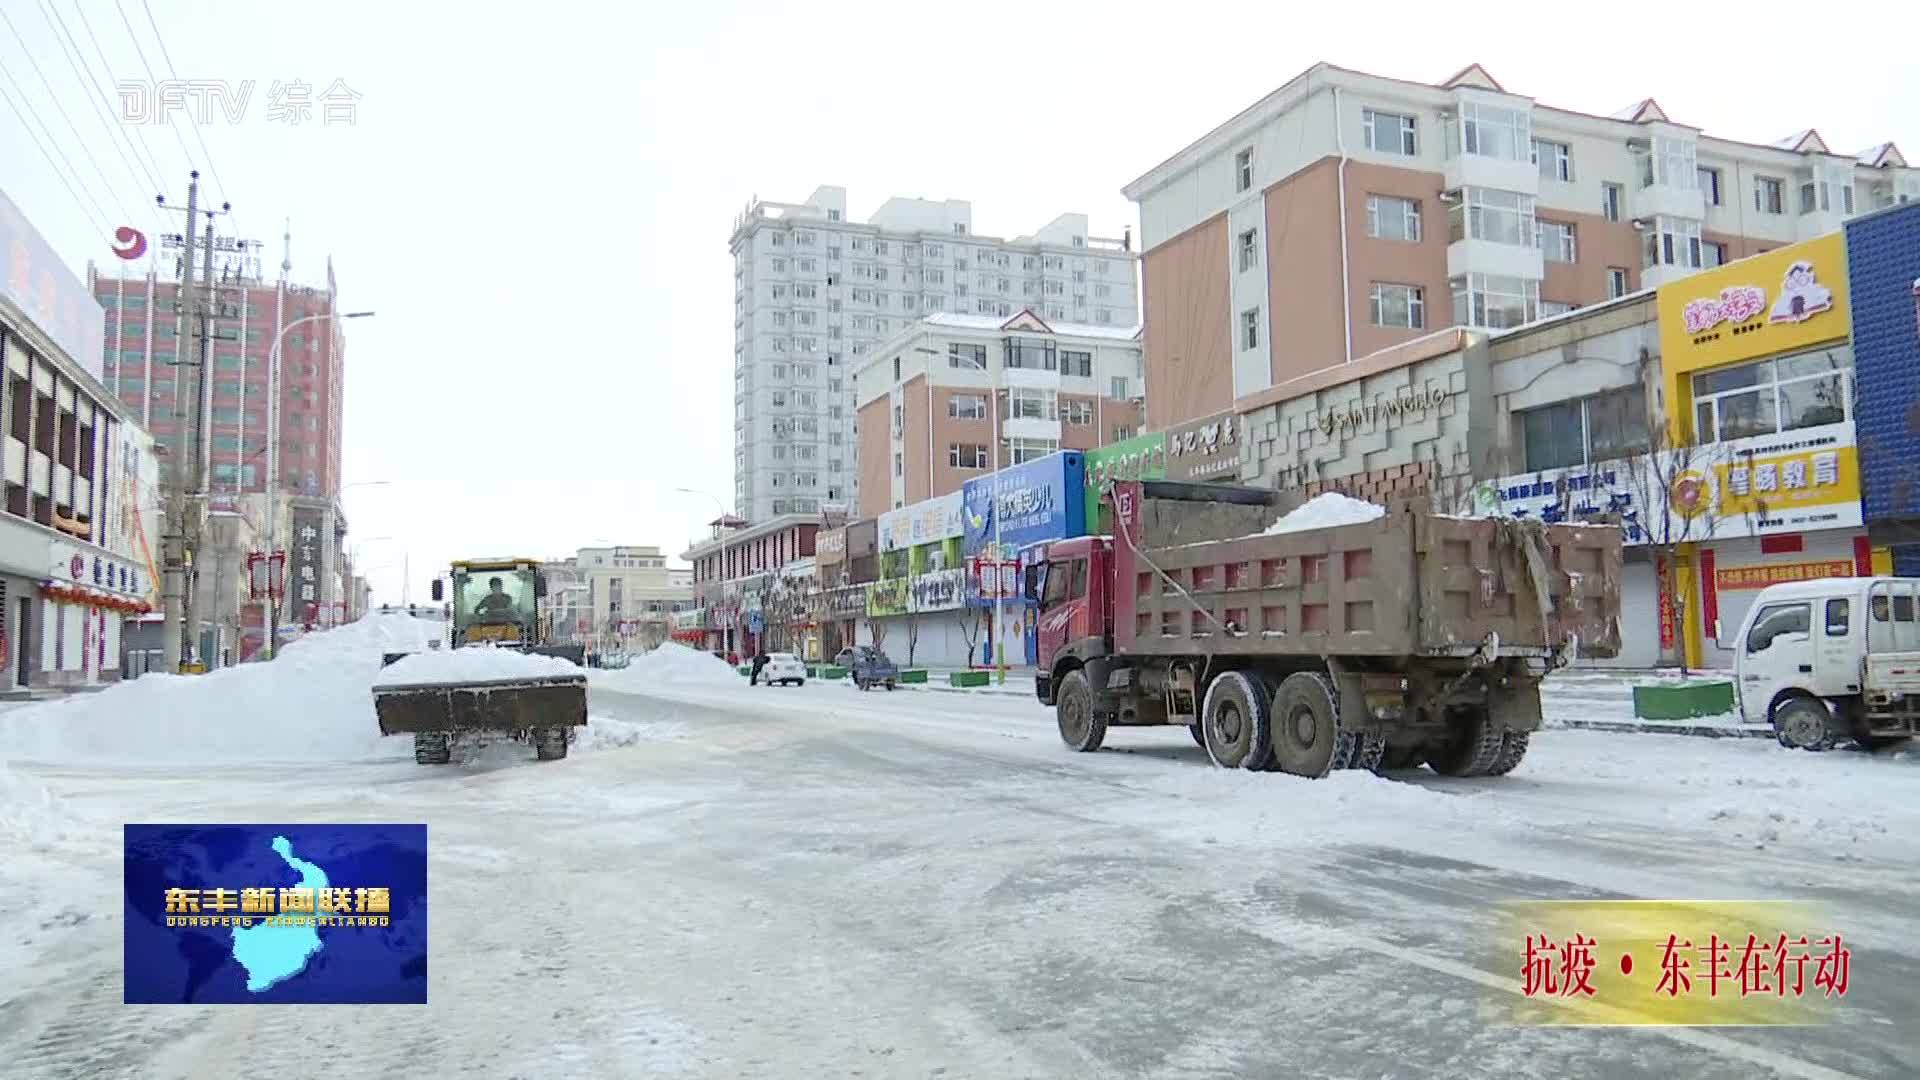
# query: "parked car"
[[783, 668], [870, 667], [1832, 660]]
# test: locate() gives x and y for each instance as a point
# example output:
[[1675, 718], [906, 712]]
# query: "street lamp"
[[724, 516], [270, 621]]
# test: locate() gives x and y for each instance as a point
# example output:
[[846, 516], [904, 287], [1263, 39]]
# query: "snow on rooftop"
[[1066, 329], [1793, 141]]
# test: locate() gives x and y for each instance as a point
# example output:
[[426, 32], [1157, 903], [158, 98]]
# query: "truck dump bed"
[[1194, 573]]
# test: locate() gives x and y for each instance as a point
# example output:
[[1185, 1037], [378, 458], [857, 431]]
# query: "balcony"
[[1034, 377], [1659, 274], [1470, 255], [1669, 200], [1025, 427], [1504, 174]]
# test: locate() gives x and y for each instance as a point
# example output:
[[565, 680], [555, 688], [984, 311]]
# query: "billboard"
[[1143, 457], [941, 590], [887, 597], [39, 284], [1041, 500], [1788, 298], [1883, 280], [1206, 450], [925, 522], [304, 564]]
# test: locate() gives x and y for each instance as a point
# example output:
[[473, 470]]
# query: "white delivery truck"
[[1833, 660]]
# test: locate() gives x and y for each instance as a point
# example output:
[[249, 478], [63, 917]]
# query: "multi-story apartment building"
[[1346, 213], [951, 397], [272, 400], [814, 293], [631, 586]]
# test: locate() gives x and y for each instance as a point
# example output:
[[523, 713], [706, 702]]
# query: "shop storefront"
[[1006, 515], [1758, 372], [918, 606]]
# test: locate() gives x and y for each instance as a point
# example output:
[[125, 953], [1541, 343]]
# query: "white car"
[[783, 668]]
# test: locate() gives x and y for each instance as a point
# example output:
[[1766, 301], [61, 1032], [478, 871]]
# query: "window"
[[1604, 427], [1712, 254], [1670, 162], [1024, 404], [1032, 354], [1079, 413], [1118, 387], [967, 455], [933, 251], [1496, 132], [899, 419], [896, 369], [1710, 184], [1775, 621], [1610, 197], [1021, 451], [805, 266], [973, 357], [1076, 362], [1838, 618], [1503, 217], [1769, 195], [899, 466], [805, 292], [1243, 169], [1555, 307], [967, 407], [1250, 328], [1122, 432], [1399, 306], [1555, 241], [779, 266], [1391, 218], [1672, 242], [779, 239], [1769, 396], [1388, 133], [936, 277], [1493, 302], [1249, 251], [1616, 282], [1555, 160]]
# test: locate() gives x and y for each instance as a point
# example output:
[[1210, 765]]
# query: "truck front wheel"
[[1805, 722], [1081, 727], [1307, 734], [1235, 722]]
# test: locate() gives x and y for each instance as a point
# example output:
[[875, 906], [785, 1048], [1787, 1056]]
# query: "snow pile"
[[475, 663], [670, 664], [613, 732], [28, 812], [1326, 511], [310, 703]]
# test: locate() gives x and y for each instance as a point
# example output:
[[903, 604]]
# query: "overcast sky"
[[537, 201]]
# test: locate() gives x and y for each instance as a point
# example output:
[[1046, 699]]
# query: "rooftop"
[[1063, 329]]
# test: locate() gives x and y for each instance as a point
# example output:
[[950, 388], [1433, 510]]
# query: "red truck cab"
[[1075, 611]]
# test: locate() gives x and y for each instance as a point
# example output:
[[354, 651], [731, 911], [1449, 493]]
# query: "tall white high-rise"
[[813, 292]]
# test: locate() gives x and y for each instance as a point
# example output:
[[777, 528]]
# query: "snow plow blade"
[[499, 705]]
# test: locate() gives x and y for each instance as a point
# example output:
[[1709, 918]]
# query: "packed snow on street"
[[739, 881]]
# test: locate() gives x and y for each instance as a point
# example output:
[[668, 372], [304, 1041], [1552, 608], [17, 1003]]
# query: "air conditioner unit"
[[1451, 195], [1641, 224]]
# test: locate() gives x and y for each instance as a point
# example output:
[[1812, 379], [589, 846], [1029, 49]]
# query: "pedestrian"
[[759, 662]]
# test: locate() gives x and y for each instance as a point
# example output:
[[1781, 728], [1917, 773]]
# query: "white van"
[[1831, 660]]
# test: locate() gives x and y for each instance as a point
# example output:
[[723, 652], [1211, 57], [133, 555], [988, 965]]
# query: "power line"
[[103, 105], [151, 77], [87, 204], [175, 76], [140, 145], [107, 185]]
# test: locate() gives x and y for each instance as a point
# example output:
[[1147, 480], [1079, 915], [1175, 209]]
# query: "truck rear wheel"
[[431, 748], [1513, 747], [1368, 749], [550, 743], [1234, 722], [1081, 727], [1307, 735], [1473, 747]]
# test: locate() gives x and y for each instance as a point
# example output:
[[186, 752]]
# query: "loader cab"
[[1073, 598], [496, 601]]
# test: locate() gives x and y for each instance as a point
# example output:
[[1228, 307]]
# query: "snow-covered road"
[[810, 882]]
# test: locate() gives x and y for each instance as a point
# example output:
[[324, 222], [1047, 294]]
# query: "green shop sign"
[[1143, 457]]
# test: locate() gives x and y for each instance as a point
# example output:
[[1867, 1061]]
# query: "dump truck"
[[494, 603], [1413, 638]]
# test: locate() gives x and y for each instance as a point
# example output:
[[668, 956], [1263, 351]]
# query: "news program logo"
[[275, 914]]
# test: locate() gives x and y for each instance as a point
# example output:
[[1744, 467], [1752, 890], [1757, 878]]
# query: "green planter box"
[[913, 675], [745, 669], [969, 678], [1682, 701], [832, 672]]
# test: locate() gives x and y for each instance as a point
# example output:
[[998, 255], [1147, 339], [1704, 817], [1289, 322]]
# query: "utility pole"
[[187, 481]]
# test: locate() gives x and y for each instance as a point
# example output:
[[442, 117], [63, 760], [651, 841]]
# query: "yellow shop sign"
[[1786, 299]]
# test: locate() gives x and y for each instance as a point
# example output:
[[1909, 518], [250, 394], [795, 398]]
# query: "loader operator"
[[496, 606]]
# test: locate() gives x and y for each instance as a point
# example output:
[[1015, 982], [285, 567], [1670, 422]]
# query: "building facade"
[[272, 400], [953, 397], [631, 596], [80, 522], [743, 577], [816, 293], [1346, 213], [1883, 273]]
